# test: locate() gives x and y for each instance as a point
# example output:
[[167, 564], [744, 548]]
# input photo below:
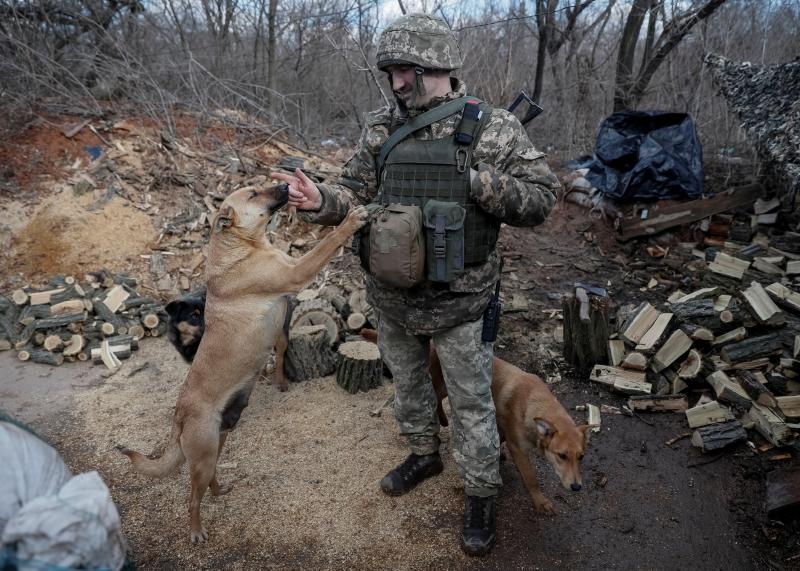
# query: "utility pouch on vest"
[[395, 246], [444, 239]]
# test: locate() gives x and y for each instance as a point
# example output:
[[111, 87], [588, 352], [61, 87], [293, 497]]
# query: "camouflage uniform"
[[513, 183]]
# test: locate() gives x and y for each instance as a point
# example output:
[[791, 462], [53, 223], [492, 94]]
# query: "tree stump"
[[585, 329], [317, 312], [309, 354], [358, 366]]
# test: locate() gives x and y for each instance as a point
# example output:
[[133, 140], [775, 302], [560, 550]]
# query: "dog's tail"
[[169, 461]]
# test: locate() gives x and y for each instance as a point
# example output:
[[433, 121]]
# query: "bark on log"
[[717, 436], [358, 366], [757, 391], [309, 354], [585, 330], [41, 356], [753, 348]]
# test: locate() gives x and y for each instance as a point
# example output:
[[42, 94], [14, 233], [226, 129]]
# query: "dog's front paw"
[[543, 505], [355, 219], [199, 536]]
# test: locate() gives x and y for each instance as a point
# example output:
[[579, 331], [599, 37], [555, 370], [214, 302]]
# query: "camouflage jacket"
[[512, 182]]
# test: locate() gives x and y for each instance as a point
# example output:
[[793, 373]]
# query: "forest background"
[[305, 68]]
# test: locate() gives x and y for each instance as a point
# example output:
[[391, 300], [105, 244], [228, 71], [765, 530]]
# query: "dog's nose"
[[576, 487]]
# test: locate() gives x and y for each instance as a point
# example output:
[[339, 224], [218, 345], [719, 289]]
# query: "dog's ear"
[[586, 429], [224, 218], [544, 428], [173, 308]]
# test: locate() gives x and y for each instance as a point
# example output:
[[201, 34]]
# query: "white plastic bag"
[[29, 468], [77, 528]]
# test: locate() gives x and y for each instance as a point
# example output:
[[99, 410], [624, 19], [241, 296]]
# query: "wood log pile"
[[727, 355], [99, 318]]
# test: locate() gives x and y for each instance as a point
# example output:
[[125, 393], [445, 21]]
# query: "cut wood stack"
[[736, 347], [68, 320]]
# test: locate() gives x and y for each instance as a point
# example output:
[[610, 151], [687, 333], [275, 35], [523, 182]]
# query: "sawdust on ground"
[[69, 234], [304, 465]]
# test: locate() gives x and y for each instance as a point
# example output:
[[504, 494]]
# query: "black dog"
[[187, 325]]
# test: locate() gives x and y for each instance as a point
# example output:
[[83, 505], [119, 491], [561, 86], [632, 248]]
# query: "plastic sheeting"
[[643, 155], [29, 468], [48, 519]]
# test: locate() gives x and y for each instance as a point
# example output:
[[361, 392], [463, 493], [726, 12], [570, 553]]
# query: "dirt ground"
[[305, 464]]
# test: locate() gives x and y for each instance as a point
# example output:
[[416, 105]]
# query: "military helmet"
[[419, 39]]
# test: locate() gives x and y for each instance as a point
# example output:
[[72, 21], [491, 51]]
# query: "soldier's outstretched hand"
[[303, 193]]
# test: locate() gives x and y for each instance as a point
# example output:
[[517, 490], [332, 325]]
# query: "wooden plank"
[[659, 403], [665, 217]]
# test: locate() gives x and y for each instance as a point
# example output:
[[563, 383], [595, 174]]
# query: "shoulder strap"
[[415, 124]]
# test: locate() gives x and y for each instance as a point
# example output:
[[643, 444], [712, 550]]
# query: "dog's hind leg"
[[281, 344], [214, 485], [200, 443]]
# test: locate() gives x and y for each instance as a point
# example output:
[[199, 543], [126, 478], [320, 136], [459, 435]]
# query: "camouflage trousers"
[[467, 366]]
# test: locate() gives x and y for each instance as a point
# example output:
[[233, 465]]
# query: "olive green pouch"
[[395, 248], [444, 239]]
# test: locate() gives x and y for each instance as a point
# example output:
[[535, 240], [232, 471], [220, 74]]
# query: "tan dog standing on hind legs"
[[248, 281]]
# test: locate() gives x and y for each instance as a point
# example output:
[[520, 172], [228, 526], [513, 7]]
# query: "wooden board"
[[665, 217]]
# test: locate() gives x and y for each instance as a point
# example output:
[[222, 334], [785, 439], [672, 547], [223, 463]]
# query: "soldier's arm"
[[514, 182], [357, 183]]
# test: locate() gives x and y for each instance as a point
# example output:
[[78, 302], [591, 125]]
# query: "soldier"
[[481, 162]]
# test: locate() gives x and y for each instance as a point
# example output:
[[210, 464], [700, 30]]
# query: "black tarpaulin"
[[647, 155]]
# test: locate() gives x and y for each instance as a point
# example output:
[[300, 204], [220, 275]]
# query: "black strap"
[[440, 247], [417, 123]]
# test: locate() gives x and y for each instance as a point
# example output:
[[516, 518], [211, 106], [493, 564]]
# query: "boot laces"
[[477, 512], [409, 467]]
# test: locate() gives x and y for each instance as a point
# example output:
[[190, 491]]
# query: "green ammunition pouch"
[[444, 239], [392, 246]]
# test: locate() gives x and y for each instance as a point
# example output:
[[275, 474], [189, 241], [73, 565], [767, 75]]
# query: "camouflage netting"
[[765, 97]]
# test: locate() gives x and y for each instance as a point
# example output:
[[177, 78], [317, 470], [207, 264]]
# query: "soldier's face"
[[402, 78]]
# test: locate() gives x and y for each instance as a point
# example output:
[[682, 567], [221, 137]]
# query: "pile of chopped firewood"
[[100, 319], [731, 349]]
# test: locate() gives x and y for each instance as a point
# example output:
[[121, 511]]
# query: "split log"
[[585, 329], [729, 266], [784, 297], [616, 351], [731, 336], [770, 425], [105, 314], [789, 406], [752, 348], [756, 390], [708, 413], [699, 312], [793, 268], [624, 381], [788, 242], [638, 324], [53, 343], [635, 361], [150, 320], [358, 366], [691, 366], [69, 307], [31, 313], [43, 297], [763, 308], [309, 354], [122, 351], [136, 330], [676, 346], [666, 403], [764, 266], [657, 332], [593, 418], [158, 331], [76, 344], [718, 436], [41, 357], [318, 312], [356, 321], [5, 344], [728, 390], [703, 293]]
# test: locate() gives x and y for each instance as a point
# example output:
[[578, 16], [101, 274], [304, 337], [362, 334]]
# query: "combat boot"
[[411, 472], [478, 535]]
